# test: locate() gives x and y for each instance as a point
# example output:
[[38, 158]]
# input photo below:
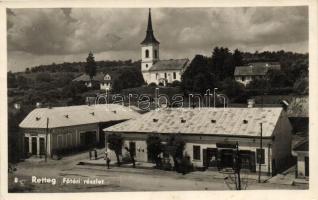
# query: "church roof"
[[150, 38], [172, 64]]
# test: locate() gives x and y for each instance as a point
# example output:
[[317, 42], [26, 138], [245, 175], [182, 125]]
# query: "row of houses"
[[209, 133]]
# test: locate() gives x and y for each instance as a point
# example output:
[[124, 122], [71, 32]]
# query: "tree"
[[301, 86], [115, 143], [131, 155], [232, 88], [197, 77], [175, 147], [154, 148], [278, 79], [128, 78], [90, 67], [43, 77]]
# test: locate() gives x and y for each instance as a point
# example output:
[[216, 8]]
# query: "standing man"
[[107, 159]]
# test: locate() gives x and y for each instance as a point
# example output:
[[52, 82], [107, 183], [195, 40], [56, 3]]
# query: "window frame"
[[196, 152]]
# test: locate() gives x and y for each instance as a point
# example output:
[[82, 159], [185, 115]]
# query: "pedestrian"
[[108, 162], [95, 154], [90, 154]]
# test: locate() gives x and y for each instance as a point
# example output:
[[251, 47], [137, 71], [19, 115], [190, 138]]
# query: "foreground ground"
[[121, 178]]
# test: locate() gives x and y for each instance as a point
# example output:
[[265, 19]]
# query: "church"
[[154, 70]]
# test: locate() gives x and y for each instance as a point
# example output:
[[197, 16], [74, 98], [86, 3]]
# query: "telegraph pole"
[[46, 136], [260, 156], [238, 166]]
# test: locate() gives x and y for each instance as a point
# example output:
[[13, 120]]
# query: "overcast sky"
[[43, 36]]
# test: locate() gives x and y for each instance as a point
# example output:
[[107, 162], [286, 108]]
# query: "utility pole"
[[238, 166], [46, 136], [260, 156]]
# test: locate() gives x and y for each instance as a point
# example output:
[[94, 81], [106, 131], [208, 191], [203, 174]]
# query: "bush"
[[185, 165], [176, 84], [152, 84]]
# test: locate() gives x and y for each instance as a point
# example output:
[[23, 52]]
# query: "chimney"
[[17, 106], [250, 103], [38, 104]]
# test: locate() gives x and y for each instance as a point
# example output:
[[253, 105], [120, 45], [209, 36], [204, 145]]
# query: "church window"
[[165, 75], [147, 53], [146, 65], [174, 75], [157, 76], [156, 54]]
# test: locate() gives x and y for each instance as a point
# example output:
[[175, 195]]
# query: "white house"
[[103, 79], [301, 151], [69, 128], [211, 132], [155, 70], [253, 71]]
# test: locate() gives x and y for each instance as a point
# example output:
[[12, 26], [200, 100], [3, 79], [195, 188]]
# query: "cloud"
[[117, 32]]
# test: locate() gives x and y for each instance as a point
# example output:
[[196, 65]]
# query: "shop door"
[[306, 166], [34, 146], [26, 145], [226, 158], [42, 146]]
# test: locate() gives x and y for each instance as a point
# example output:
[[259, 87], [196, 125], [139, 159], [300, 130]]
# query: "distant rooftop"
[[218, 121], [256, 69], [76, 115]]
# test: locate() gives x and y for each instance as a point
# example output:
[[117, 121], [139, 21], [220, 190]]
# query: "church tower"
[[149, 51]]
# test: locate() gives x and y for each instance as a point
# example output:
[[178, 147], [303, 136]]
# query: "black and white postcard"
[[152, 100]]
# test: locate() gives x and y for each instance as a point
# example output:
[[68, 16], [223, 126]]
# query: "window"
[[165, 75], [146, 65], [147, 53], [196, 152], [243, 78], [157, 76], [174, 75], [260, 155], [156, 54]]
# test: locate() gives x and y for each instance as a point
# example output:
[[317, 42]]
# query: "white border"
[[262, 194]]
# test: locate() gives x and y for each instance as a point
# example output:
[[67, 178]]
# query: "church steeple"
[[150, 38]]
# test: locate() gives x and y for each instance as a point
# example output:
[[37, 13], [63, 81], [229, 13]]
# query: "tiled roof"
[[302, 146], [298, 107], [76, 115], [255, 69], [173, 64], [218, 121]]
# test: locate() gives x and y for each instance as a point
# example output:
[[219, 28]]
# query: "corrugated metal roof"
[[228, 121], [76, 115], [173, 64]]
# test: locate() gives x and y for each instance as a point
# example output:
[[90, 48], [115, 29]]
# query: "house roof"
[[228, 121], [85, 77], [298, 107], [255, 69], [76, 115], [172, 64], [98, 77], [302, 146]]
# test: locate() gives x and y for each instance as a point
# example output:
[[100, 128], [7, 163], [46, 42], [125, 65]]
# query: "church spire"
[[150, 38]]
